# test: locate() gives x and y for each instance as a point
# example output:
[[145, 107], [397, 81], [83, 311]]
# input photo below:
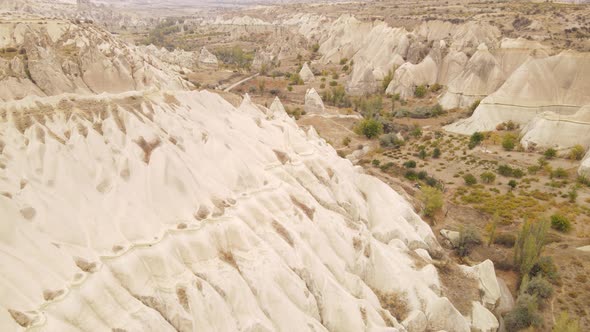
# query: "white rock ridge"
[[150, 211], [54, 56]]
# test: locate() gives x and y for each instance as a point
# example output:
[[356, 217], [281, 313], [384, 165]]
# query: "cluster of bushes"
[[336, 96], [536, 272], [423, 112], [509, 125], [296, 112], [369, 106], [236, 57], [295, 79], [506, 170], [390, 140]]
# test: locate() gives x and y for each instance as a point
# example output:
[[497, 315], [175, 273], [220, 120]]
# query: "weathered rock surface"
[[57, 57], [151, 211], [482, 320]]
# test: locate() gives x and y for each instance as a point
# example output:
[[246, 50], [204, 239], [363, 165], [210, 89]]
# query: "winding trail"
[[229, 88]]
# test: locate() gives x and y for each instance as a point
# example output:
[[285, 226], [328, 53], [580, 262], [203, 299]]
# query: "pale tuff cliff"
[[176, 211], [44, 57]]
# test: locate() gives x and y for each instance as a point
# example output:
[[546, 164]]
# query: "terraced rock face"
[[162, 212], [42, 57]]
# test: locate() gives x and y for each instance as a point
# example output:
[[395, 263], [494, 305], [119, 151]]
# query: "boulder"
[[506, 302], [442, 315], [452, 236], [488, 283], [313, 102], [482, 320]]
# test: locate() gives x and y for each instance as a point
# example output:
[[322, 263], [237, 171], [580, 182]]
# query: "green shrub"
[[523, 315], [420, 91], [376, 162], [432, 199], [416, 131], [488, 177], [295, 79], [387, 79], [410, 164], [422, 154], [322, 86], [475, 139], [473, 106], [560, 223], [559, 173], [343, 61], [509, 142], [335, 76], [512, 184], [539, 287], [546, 268], [435, 87], [315, 48], [550, 153], [505, 239], [390, 141], [577, 152], [468, 239], [469, 179], [411, 175], [333, 83], [436, 153], [346, 141], [371, 128]]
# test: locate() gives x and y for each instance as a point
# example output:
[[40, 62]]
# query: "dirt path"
[[229, 88]]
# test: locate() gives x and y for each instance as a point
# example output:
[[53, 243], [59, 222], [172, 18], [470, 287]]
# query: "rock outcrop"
[[175, 211], [557, 83], [207, 59], [313, 102], [306, 74], [58, 57]]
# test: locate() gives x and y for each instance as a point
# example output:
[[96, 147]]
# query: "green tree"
[[371, 128], [432, 198], [475, 139], [529, 245]]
